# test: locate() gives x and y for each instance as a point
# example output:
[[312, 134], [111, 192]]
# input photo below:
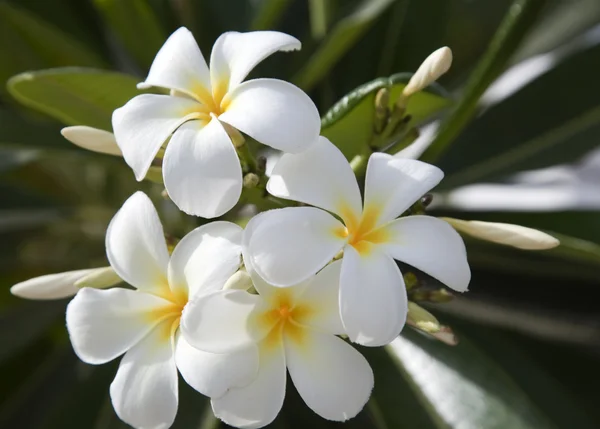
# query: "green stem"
[[269, 14], [519, 18], [318, 10], [359, 162], [248, 159]]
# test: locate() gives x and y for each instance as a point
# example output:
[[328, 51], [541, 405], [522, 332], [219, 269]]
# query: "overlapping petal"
[[213, 374], [394, 184], [104, 324], [206, 258], [319, 176], [179, 65], [143, 125], [135, 245], [235, 54], [51, 286], [373, 300], [144, 392], [273, 112], [201, 170], [332, 377], [257, 404], [220, 322], [432, 246], [321, 295], [287, 246]]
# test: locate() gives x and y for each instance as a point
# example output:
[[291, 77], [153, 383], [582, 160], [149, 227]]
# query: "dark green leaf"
[[75, 96], [136, 26], [342, 37], [27, 42]]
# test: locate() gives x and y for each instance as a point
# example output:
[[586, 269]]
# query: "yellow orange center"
[[362, 232], [210, 103], [169, 315], [283, 318]]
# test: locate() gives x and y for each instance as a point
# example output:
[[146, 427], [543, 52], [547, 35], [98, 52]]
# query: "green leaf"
[[342, 37], [461, 386], [519, 18], [349, 123], [540, 134], [268, 14], [27, 42], [136, 26], [75, 96]]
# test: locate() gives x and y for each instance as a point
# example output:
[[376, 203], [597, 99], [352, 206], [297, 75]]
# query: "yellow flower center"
[[169, 315], [283, 318], [362, 232], [215, 103]]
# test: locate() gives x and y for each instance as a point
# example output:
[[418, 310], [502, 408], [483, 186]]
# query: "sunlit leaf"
[[349, 123], [75, 96]]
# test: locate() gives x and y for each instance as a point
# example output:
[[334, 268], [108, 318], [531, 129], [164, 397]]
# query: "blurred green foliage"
[[529, 328]]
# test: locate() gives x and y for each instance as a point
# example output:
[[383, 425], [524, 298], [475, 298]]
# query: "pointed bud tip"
[[434, 66]]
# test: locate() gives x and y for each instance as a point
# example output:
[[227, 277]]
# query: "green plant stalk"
[[519, 18], [319, 11]]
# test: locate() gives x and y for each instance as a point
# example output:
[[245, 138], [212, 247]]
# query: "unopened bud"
[[241, 280], [382, 111], [422, 319], [430, 70], [251, 180], [93, 139], [505, 233], [99, 278], [410, 280]]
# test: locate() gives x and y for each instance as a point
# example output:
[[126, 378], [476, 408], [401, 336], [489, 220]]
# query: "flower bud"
[[422, 319], [505, 233], [430, 70], [92, 139], [51, 286], [241, 280], [251, 180], [99, 278]]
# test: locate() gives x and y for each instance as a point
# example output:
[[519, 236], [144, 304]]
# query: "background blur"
[[529, 328]]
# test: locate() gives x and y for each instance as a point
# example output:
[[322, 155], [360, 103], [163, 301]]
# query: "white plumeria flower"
[[201, 169], [143, 323], [64, 285], [295, 328], [287, 246]]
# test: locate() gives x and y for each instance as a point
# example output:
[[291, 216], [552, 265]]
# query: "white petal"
[[275, 113], [505, 233], [144, 392], [92, 139], [235, 54], [257, 404], [206, 258], [104, 324], [332, 377], [394, 184], [51, 286], [143, 124], [372, 297], [432, 246], [319, 176], [321, 295], [213, 374], [201, 170], [222, 321], [289, 245], [179, 65], [135, 245]]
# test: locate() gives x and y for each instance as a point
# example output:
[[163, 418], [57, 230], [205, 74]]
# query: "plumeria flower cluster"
[[234, 310]]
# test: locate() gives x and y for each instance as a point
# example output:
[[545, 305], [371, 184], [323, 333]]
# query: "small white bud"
[[92, 139], [430, 70], [422, 319], [505, 233], [241, 280], [51, 286], [99, 278]]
